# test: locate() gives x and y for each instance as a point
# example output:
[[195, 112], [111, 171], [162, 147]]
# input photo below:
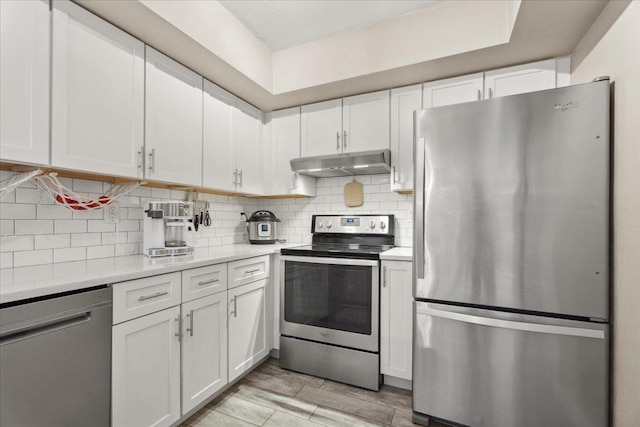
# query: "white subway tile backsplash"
[[88, 186], [69, 226], [99, 226], [160, 193], [33, 226], [114, 238], [6, 260], [104, 251], [129, 225], [16, 243], [31, 195], [7, 227], [86, 239], [49, 241], [29, 258], [69, 254], [17, 211], [53, 212]]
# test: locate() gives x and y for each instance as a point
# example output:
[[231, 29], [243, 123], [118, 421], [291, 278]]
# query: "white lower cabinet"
[[396, 321], [247, 327], [204, 349], [146, 370]]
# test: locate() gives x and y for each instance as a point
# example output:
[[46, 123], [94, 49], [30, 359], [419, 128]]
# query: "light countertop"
[[41, 280], [397, 254]]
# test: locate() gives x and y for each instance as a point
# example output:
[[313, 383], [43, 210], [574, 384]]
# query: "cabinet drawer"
[[248, 270], [200, 282], [143, 296]]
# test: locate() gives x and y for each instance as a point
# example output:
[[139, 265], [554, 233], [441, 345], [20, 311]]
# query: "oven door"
[[330, 300]]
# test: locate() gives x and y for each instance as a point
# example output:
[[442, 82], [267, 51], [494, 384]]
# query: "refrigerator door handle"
[[418, 211], [509, 324]]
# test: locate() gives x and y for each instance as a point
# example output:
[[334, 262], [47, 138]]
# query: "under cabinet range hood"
[[363, 163]]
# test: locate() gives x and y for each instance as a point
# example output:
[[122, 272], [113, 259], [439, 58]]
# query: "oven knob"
[[320, 224], [329, 225], [383, 225], [373, 225]]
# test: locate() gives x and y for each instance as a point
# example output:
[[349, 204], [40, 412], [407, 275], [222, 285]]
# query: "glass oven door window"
[[329, 296]]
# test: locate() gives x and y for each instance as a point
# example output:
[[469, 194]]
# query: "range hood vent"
[[364, 163]]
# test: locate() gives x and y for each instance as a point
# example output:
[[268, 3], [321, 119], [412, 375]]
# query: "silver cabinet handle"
[[240, 175], [490, 93], [235, 178], [295, 180], [251, 272], [206, 282], [140, 158], [479, 94], [338, 141], [152, 160], [344, 139], [384, 276], [179, 333], [418, 200], [395, 181], [235, 307], [156, 295], [190, 328]]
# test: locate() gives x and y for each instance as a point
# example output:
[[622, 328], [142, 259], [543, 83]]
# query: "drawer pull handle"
[[251, 272], [206, 282], [179, 328], [156, 295], [235, 307]]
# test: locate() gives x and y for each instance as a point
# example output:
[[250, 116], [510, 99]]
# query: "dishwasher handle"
[[44, 327]]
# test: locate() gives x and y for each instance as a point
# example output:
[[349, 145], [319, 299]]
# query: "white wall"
[[612, 47]]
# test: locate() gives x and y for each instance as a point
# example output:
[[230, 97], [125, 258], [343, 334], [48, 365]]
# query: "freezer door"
[[512, 202], [482, 368]]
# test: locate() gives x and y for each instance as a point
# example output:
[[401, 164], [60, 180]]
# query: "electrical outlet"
[[112, 213]]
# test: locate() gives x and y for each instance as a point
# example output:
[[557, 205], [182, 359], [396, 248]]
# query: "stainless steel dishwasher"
[[55, 360]]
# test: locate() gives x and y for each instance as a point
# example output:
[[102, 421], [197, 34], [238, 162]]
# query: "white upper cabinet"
[[173, 125], [321, 128], [520, 79], [232, 143], [218, 151], [283, 137], [365, 122], [98, 95], [248, 129], [24, 81], [404, 101], [453, 91]]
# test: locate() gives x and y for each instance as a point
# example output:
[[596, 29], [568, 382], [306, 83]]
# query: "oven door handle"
[[334, 261]]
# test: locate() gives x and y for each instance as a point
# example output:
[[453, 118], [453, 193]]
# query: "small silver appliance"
[[168, 229], [329, 299], [262, 227]]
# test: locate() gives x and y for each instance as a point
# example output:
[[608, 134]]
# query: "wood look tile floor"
[[270, 396]]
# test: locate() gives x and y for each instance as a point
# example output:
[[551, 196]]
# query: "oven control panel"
[[352, 224]]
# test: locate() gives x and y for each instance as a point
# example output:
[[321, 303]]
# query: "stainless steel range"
[[329, 299]]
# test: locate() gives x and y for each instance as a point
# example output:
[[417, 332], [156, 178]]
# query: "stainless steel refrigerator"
[[511, 260]]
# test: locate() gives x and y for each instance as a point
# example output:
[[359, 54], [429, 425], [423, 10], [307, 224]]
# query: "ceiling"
[[284, 24]]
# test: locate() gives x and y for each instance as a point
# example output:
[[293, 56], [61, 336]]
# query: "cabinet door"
[[98, 95], [396, 323], [321, 128], [285, 143], [248, 124], [146, 370], [173, 126], [453, 91], [520, 79], [247, 327], [24, 81], [218, 151], [204, 349], [365, 122], [404, 101]]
